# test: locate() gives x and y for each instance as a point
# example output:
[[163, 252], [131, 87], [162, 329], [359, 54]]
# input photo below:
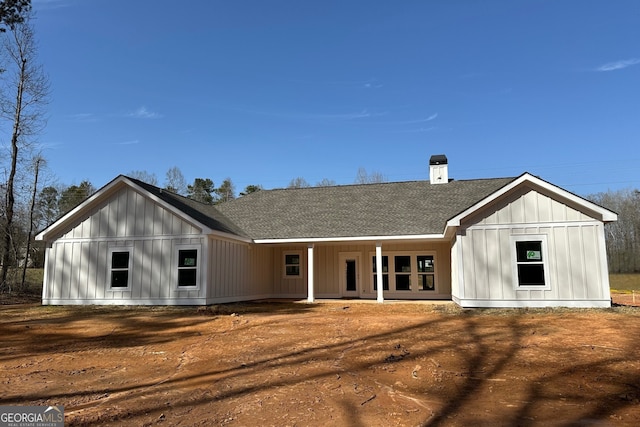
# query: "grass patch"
[[624, 283]]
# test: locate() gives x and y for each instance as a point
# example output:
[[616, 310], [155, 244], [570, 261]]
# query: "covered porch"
[[408, 269]]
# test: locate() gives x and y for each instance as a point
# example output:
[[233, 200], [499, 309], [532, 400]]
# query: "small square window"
[[292, 265], [531, 275], [403, 264], [425, 264], [187, 277], [119, 279], [529, 251], [385, 282], [426, 282], [188, 258], [119, 259]]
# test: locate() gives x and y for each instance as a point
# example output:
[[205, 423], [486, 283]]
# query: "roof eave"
[[351, 239]]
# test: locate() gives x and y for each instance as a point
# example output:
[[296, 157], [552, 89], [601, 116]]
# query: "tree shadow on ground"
[[482, 355]]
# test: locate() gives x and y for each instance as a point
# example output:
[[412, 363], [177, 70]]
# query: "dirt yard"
[[341, 363]]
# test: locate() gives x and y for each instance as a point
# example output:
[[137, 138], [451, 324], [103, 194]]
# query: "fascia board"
[[352, 239], [606, 215], [229, 236]]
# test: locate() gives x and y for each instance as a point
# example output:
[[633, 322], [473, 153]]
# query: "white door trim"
[[343, 257]]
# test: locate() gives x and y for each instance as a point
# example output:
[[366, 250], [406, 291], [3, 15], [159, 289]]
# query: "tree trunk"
[[15, 134], [31, 212]]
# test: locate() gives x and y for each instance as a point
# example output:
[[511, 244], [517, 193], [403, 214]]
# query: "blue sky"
[[265, 91]]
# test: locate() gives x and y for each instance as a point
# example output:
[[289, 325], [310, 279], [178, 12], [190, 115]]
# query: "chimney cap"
[[438, 159]]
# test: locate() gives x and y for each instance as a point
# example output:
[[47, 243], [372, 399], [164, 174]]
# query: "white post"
[[379, 271], [310, 273], [45, 280]]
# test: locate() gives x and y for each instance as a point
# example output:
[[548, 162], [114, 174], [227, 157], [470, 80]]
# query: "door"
[[350, 274]]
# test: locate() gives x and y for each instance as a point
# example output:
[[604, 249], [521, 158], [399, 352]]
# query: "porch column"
[[379, 271], [310, 272]]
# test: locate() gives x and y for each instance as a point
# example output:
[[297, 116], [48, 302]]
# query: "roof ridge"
[[426, 181]]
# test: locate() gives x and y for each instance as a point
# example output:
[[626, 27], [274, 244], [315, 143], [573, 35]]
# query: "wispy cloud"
[[50, 4], [82, 117], [343, 116], [372, 84], [618, 65], [414, 121], [294, 115], [144, 113], [48, 145], [131, 142], [418, 130]]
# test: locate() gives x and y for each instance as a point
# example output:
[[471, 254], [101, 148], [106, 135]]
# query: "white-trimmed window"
[[188, 263], [385, 273], [426, 272], [292, 264], [120, 268], [531, 269], [405, 272]]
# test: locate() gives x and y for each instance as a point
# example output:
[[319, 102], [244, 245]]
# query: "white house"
[[504, 242]]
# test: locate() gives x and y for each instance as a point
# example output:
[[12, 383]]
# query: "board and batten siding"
[[78, 265], [129, 214], [483, 253], [238, 271]]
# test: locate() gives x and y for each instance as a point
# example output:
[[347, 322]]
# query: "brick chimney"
[[438, 169]]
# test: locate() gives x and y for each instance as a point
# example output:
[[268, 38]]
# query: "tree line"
[[622, 236], [24, 91]]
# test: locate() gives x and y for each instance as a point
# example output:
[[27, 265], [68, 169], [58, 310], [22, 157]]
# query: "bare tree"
[[623, 236], [25, 92], [374, 178], [37, 163], [298, 182], [144, 176], [326, 182], [175, 181]]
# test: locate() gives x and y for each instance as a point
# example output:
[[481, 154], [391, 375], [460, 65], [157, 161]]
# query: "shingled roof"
[[387, 209], [205, 214]]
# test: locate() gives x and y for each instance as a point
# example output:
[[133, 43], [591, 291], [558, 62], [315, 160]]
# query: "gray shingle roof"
[[205, 214], [388, 209]]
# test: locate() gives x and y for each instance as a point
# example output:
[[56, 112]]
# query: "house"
[[504, 242]]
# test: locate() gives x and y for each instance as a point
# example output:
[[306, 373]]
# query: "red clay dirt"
[[339, 363]]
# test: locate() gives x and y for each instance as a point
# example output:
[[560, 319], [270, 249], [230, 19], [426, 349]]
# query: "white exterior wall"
[[483, 255], [77, 269], [239, 271]]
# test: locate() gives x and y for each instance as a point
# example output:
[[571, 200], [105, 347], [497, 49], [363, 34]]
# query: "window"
[[119, 268], [187, 267], [406, 272], [403, 272], [530, 259], [385, 274], [426, 273], [292, 265]]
